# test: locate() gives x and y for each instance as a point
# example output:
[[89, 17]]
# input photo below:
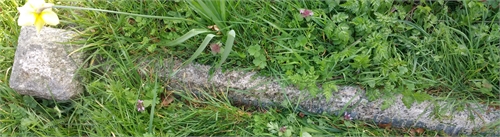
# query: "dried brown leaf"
[[419, 130], [131, 21], [166, 99], [301, 115], [214, 27], [386, 126], [412, 132], [154, 39], [244, 113]]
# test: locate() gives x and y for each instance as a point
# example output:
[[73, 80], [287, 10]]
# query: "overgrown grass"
[[447, 49]]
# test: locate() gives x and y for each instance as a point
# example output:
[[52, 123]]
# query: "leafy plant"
[[259, 57], [213, 10]]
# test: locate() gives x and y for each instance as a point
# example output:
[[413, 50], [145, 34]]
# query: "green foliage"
[[259, 57], [213, 11], [329, 88], [361, 61], [444, 48], [483, 86], [9, 32], [186, 36], [410, 97], [306, 79], [228, 47]]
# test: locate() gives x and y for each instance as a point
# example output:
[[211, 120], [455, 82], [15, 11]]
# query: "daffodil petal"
[[30, 14], [35, 4], [26, 19], [50, 17], [39, 24], [25, 9]]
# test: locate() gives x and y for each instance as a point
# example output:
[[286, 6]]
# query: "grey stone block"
[[43, 67]]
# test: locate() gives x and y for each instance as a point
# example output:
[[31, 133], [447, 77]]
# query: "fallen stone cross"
[[248, 88]]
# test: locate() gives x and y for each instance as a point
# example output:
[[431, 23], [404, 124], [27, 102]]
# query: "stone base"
[[42, 65]]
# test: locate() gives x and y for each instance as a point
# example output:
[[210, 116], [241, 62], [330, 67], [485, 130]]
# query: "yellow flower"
[[38, 13]]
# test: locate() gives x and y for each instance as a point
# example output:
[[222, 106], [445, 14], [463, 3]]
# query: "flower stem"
[[42, 8], [124, 13]]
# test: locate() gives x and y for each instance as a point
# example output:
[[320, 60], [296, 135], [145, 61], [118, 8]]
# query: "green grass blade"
[[223, 9], [208, 10], [200, 49], [294, 52], [212, 10], [186, 36], [117, 12], [460, 33], [274, 25], [414, 26], [229, 46], [153, 106]]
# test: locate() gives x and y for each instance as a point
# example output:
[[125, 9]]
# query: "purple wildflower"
[[347, 116], [215, 48], [283, 129], [140, 107], [306, 13]]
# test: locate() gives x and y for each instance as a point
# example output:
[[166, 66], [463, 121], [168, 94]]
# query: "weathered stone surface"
[[247, 88], [42, 65]]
